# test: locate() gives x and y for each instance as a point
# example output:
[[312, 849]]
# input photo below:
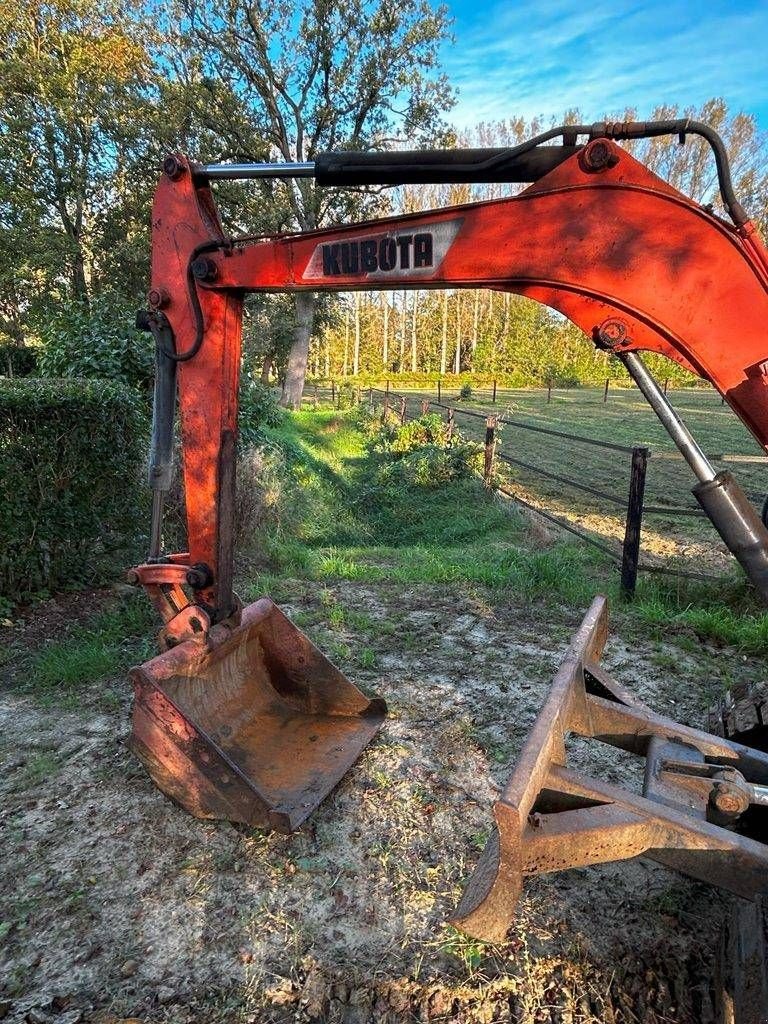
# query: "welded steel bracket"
[[550, 818]]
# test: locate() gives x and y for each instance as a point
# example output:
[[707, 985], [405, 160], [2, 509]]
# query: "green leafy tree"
[[322, 75], [73, 101]]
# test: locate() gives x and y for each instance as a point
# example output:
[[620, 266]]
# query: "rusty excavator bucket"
[[258, 729], [240, 717]]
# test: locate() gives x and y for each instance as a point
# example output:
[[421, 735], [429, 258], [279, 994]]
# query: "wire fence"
[[494, 392], [622, 472], [611, 476]]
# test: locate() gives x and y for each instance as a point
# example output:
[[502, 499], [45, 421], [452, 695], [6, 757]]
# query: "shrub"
[[260, 500], [99, 341], [347, 396], [18, 360], [422, 453], [258, 408], [466, 391], [369, 422], [431, 466], [71, 466], [399, 439]]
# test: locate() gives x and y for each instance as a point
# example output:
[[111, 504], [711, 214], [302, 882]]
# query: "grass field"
[[687, 543], [115, 904]]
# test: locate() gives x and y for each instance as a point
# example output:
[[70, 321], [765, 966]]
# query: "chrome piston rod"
[[719, 494], [670, 419], [221, 172]]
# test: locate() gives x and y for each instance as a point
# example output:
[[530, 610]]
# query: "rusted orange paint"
[[593, 245]]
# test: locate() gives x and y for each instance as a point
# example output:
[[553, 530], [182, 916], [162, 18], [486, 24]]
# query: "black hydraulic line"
[[434, 166], [515, 163], [194, 298], [682, 127], [167, 344]]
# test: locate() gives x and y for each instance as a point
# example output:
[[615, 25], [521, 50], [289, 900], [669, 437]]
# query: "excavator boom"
[[241, 716], [600, 238]]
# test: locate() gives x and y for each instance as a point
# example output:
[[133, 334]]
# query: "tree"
[[267, 330], [73, 98], [321, 75], [92, 94]]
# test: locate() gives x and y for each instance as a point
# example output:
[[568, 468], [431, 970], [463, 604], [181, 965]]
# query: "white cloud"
[[532, 58]]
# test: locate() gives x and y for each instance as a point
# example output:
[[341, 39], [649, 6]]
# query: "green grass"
[[727, 616], [345, 527], [350, 528], [624, 419], [115, 639], [38, 769]]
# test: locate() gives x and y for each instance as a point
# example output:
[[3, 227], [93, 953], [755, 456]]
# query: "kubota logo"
[[385, 255]]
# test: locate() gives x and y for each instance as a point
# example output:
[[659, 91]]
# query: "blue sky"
[[541, 58]]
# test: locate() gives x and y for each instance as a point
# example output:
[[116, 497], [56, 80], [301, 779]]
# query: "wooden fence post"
[[385, 407], [333, 392], [314, 401], [549, 393], [494, 391], [403, 409], [370, 399], [631, 550], [605, 393], [666, 384], [439, 396], [490, 449], [449, 421], [424, 407]]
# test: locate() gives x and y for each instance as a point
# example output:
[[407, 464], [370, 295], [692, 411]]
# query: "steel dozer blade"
[[550, 818], [258, 727]]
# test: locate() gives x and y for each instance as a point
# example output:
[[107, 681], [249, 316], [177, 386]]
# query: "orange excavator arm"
[[241, 716], [631, 261]]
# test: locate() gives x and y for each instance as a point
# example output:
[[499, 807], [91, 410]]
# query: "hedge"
[[661, 367], [71, 482]]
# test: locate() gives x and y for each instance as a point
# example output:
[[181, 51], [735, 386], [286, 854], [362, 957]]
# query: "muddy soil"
[[115, 904]]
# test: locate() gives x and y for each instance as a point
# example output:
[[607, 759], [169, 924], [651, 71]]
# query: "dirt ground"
[[118, 905]]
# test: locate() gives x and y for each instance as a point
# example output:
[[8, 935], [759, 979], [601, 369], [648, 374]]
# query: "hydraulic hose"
[[683, 127], [510, 164]]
